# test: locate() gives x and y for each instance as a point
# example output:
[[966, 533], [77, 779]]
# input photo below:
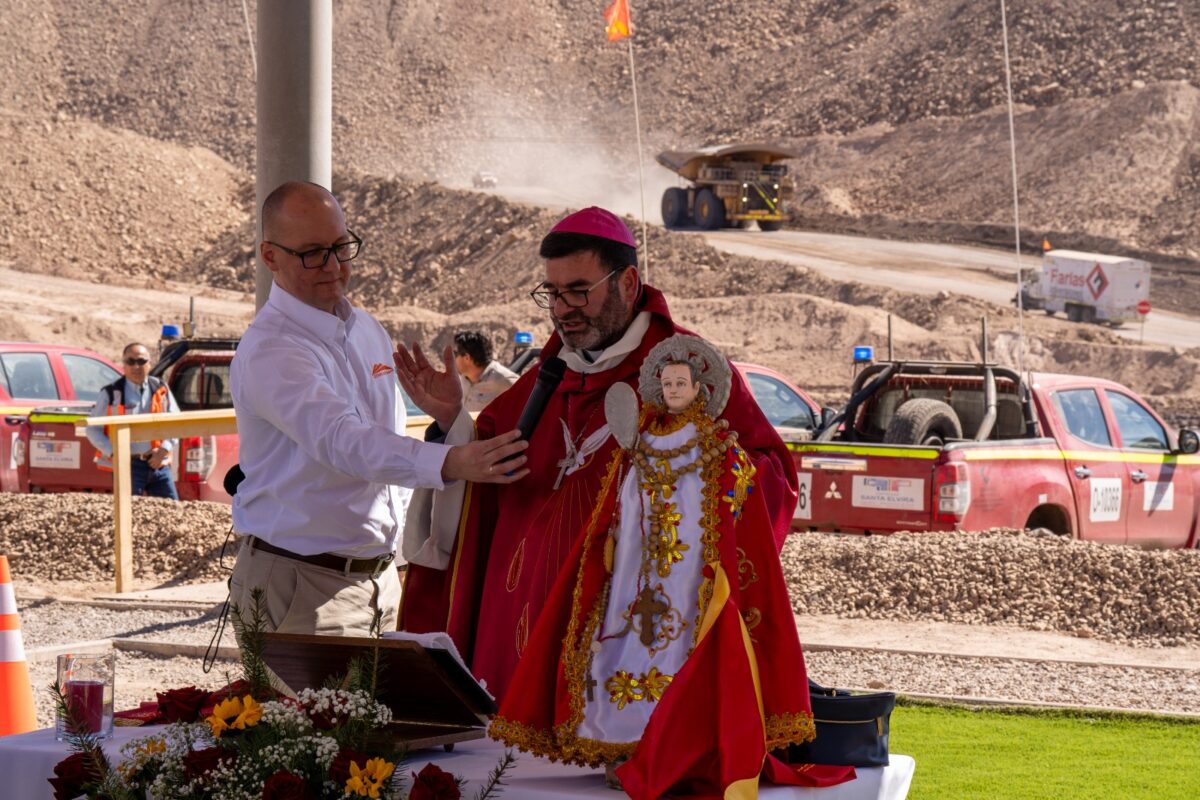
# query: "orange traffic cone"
[[16, 693]]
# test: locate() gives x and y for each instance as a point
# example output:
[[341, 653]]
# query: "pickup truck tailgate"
[[56, 457], [847, 487]]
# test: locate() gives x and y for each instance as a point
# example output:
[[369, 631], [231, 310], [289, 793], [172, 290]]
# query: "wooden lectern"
[[434, 700]]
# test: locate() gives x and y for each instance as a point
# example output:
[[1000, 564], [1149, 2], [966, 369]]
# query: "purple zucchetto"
[[595, 221]]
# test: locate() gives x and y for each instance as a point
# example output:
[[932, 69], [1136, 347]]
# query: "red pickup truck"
[[938, 446], [36, 375], [196, 370]]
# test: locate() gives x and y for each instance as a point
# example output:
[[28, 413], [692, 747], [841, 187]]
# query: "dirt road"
[[925, 269], [50, 308]]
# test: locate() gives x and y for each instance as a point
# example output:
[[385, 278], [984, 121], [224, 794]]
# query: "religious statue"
[[667, 650]]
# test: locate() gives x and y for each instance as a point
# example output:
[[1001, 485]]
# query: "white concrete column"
[[295, 99]]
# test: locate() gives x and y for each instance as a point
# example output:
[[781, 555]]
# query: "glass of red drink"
[[86, 683]]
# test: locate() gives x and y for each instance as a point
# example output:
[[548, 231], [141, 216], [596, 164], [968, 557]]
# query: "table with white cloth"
[[27, 760]]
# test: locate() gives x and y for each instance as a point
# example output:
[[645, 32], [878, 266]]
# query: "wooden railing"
[[126, 429], [130, 428]]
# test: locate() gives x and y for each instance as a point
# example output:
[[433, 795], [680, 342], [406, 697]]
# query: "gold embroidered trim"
[[515, 566], [710, 537], [624, 688], [747, 574], [785, 729], [744, 472], [523, 737], [521, 634], [577, 652]]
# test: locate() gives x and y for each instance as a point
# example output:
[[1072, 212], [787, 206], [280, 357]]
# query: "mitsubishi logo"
[[833, 493], [1097, 281]]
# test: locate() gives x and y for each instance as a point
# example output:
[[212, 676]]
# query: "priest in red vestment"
[[483, 558]]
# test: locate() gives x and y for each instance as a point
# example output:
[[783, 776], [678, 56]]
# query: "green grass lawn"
[[964, 753]]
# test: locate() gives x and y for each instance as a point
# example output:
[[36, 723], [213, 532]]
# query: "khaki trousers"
[[302, 598]]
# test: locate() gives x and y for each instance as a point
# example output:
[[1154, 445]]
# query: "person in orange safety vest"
[[137, 393]]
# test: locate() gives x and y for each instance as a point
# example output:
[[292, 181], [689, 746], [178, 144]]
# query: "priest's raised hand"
[[436, 392], [439, 394]]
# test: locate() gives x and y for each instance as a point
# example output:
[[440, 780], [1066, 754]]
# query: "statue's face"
[[678, 388]]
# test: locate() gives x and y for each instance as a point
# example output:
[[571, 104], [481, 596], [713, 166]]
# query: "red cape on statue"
[[514, 539], [742, 693]]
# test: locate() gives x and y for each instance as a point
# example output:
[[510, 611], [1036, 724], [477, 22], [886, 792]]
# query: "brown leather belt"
[[370, 566]]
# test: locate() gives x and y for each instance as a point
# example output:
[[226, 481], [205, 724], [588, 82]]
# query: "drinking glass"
[[86, 681]]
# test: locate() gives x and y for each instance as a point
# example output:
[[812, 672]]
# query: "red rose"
[[74, 774], [284, 785], [198, 763], [434, 783], [182, 705], [339, 770]]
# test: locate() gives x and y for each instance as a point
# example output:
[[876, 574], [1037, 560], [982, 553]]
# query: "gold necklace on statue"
[[657, 481]]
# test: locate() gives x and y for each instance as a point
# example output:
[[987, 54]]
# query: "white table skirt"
[[27, 761]]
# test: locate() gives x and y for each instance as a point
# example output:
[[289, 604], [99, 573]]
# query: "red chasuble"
[[514, 539], [741, 693]]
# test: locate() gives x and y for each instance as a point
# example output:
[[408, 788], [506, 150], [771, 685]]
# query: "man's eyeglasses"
[[319, 256], [574, 298], [136, 362]]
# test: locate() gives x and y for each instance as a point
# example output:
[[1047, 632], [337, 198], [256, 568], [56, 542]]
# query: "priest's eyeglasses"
[[574, 298], [319, 256]]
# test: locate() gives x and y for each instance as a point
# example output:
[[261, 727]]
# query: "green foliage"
[[1021, 753], [252, 642], [495, 781]]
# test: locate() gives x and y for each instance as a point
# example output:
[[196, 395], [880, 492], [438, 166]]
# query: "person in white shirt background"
[[483, 378], [137, 393], [321, 422]]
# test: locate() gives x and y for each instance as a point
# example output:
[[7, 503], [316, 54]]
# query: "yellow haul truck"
[[730, 187]]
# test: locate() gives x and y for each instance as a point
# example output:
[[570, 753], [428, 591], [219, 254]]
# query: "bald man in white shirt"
[[321, 422]]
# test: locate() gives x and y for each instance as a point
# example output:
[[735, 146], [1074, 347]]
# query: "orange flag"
[[616, 20]]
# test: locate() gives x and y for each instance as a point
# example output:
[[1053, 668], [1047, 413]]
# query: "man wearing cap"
[[483, 558]]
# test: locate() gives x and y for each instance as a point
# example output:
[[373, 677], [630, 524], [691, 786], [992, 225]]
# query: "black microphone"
[[550, 374]]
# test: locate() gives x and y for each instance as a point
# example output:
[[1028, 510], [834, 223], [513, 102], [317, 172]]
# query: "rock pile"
[[1029, 580], [1037, 581], [69, 537]]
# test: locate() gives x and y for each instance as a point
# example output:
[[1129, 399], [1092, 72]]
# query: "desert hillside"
[[129, 136]]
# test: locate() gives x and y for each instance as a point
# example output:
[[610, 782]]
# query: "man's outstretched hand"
[[495, 460], [436, 392]]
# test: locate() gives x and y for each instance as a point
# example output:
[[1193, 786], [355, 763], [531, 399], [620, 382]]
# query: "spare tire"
[[923, 421]]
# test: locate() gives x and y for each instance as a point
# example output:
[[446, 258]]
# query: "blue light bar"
[[523, 337], [864, 354]]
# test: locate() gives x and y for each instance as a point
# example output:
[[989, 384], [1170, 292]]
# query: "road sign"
[[1143, 307]]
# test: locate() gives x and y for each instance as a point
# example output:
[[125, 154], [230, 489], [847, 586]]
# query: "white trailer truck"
[[1089, 287]]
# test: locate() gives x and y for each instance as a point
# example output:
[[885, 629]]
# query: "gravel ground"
[[998, 578], [1170, 690], [1037, 581], [46, 622], [140, 676]]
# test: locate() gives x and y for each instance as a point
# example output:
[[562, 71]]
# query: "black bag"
[[852, 729]]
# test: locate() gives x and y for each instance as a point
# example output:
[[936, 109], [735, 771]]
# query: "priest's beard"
[[601, 331]]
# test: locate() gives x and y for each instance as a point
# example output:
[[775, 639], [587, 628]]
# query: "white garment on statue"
[[602, 720], [321, 424]]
